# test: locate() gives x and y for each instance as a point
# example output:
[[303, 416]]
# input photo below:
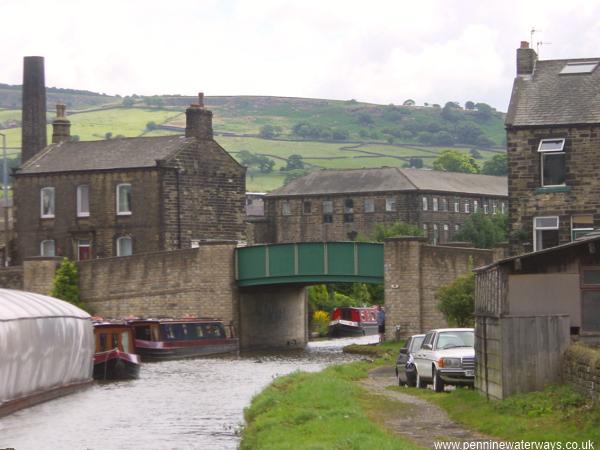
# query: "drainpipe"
[[178, 183]]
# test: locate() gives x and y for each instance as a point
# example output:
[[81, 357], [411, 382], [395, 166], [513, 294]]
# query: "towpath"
[[424, 423]]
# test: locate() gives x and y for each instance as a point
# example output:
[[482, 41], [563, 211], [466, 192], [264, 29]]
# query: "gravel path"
[[424, 423]]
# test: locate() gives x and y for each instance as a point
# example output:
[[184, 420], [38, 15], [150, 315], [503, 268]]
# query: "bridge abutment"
[[273, 317]]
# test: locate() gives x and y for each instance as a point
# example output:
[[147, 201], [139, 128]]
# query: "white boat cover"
[[45, 343]]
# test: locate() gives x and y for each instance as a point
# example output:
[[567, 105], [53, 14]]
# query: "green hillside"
[[326, 133]]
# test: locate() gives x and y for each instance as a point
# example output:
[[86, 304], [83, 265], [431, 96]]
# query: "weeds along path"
[[424, 422]]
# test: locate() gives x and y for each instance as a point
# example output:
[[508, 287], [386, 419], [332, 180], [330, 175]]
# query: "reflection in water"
[[186, 404]]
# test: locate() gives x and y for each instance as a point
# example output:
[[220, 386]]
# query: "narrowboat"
[[349, 321], [161, 339], [115, 358]]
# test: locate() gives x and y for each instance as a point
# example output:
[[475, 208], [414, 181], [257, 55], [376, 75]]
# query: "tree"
[[484, 230], [128, 102], [269, 131], [365, 119], [383, 231], [456, 301], [483, 141], [340, 135], [417, 163], [65, 285], [150, 126], [108, 135], [442, 138], [484, 111], [294, 162], [262, 162], [450, 112], [455, 161], [409, 102], [475, 153], [293, 174], [470, 105], [498, 165], [468, 133]]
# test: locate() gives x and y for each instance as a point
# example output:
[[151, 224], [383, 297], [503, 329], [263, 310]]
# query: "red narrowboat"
[[115, 358], [351, 321], [160, 339]]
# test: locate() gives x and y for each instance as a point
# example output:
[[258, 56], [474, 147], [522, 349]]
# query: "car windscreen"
[[454, 339], [416, 343]]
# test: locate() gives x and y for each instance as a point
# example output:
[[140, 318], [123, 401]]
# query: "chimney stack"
[[526, 59], [198, 122], [61, 126], [33, 107]]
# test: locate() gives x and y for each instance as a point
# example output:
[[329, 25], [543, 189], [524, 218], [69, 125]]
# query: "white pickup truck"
[[446, 357]]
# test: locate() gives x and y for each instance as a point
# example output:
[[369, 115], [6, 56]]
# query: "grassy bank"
[[324, 410], [556, 414]]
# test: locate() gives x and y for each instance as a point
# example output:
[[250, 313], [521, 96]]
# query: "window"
[[425, 203], [581, 224], [435, 234], [83, 200], [552, 159], [445, 227], [306, 207], [348, 206], [47, 248], [124, 199], [466, 206], [47, 202], [502, 208], [545, 232], [83, 249], [456, 227], [425, 229], [435, 203], [390, 204], [327, 211], [578, 67], [494, 207], [443, 204], [456, 205], [485, 208], [124, 246], [285, 208], [475, 206], [348, 218], [369, 205]]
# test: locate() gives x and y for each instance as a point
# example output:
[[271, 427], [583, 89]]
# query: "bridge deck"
[[309, 263]]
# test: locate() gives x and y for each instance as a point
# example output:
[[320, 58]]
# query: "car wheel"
[[410, 382], [421, 384], [438, 383]]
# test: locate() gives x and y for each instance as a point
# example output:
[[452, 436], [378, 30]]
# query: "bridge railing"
[[309, 263]]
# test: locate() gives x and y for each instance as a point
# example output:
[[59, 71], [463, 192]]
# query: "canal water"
[[186, 404]]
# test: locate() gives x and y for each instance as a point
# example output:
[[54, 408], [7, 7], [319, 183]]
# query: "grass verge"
[[556, 414], [324, 410]]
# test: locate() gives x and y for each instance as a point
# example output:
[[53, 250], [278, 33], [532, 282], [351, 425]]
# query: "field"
[[371, 131]]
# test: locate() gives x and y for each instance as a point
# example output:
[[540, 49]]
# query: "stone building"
[[553, 137], [331, 205], [116, 197]]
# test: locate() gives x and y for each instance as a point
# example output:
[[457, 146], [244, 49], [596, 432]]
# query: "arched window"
[[47, 248], [124, 246]]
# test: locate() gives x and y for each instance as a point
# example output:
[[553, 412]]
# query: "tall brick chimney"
[[526, 59], [198, 121], [34, 107], [61, 126]]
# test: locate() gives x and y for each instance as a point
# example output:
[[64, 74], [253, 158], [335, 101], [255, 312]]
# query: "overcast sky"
[[377, 51]]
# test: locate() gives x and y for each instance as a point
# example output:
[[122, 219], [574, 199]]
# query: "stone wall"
[[203, 195], [196, 282], [527, 197], [38, 274], [581, 369], [414, 270], [11, 277]]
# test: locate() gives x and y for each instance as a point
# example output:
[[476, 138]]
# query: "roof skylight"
[[579, 67]]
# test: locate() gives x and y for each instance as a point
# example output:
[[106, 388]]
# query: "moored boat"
[[115, 358], [349, 321], [160, 339]]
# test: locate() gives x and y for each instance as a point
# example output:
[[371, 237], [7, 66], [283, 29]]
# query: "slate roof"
[[328, 182], [547, 98], [120, 153]]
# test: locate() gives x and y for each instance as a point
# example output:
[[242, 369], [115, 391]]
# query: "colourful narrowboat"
[[115, 358], [161, 339], [349, 321]]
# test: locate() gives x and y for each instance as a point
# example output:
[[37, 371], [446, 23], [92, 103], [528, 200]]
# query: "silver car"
[[446, 357]]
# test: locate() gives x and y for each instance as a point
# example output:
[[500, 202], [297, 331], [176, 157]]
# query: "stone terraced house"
[[116, 197], [331, 205], [553, 138]]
